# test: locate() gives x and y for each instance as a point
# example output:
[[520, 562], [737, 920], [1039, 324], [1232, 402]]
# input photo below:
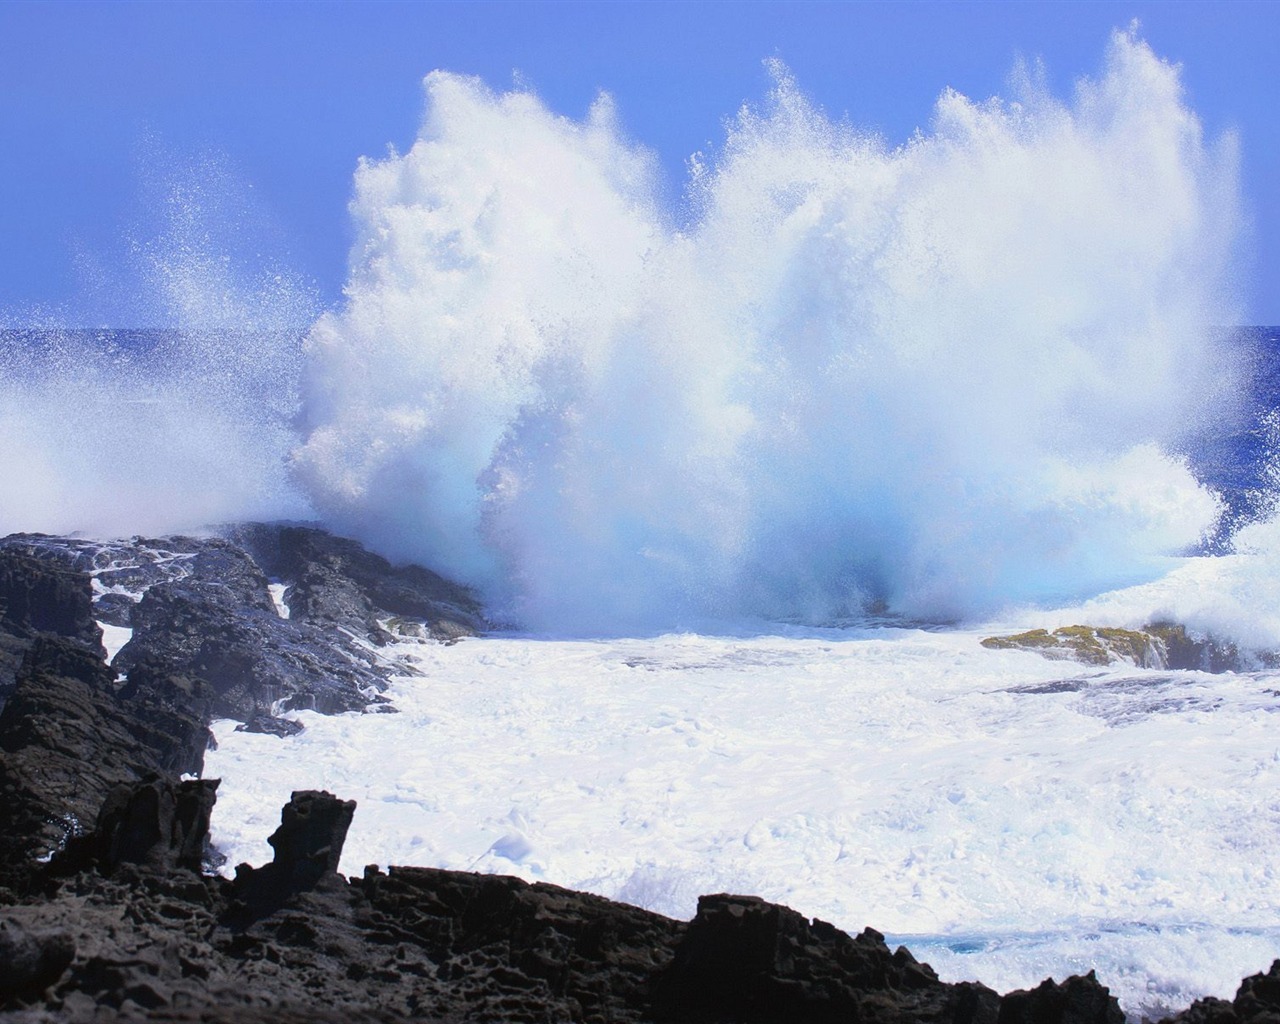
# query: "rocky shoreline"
[[108, 907]]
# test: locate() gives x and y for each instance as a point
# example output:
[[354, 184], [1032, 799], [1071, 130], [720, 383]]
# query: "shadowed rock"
[[1257, 1001], [746, 960], [1078, 1000], [308, 848], [68, 737], [334, 581], [40, 595], [155, 823], [31, 961]]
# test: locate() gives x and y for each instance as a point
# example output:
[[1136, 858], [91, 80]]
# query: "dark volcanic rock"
[[153, 940], [271, 726], [1078, 1000], [156, 823], [308, 847], [232, 637], [1257, 1001], [746, 960], [45, 595], [40, 595], [67, 738], [31, 961], [201, 608], [334, 581]]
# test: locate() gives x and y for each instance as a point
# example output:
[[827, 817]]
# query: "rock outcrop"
[[68, 736], [207, 641], [126, 928], [1159, 645], [40, 595]]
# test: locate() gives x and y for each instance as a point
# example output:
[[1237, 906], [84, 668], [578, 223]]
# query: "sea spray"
[[932, 379], [117, 432]]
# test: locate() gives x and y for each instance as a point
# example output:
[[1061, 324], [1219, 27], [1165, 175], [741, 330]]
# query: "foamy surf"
[[1017, 817]]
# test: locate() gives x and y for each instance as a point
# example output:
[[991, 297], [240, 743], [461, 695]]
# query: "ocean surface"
[[747, 478]]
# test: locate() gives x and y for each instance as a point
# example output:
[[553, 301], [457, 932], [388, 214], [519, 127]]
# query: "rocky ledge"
[[109, 909], [1158, 645]]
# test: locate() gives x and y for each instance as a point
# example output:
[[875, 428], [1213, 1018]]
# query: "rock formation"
[[108, 912], [1159, 645]]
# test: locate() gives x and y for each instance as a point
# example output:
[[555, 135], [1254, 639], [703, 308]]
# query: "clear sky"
[[99, 102]]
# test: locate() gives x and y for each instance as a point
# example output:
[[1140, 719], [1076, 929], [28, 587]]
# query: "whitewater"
[[745, 480]]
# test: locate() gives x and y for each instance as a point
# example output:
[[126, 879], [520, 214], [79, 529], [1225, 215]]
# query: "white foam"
[[891, 780], [277, 591], [114, 638]]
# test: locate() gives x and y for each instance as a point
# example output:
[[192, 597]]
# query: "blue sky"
[[102, 104]]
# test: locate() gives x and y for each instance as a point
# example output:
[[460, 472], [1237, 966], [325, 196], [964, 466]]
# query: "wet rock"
[[334, 581], [45, 595], [1090, 645], [1257, 1001], [201, 608], [271, 726], [40, 595], [1158, 645], [231, 637]]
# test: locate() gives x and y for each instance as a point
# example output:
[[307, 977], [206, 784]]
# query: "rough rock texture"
[[743, 959], [121, 923], [146, 938], [68, 736], [1257, 1001], [1159, 645], [40, 595], [336, 582], [156, 823], [218, 623], [207, 641], [202, 608], [1078, 1000]]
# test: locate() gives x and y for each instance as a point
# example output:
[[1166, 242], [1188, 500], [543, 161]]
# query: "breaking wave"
[[934, 379]]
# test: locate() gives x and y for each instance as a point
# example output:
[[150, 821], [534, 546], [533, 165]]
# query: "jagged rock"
[[308, 843], [232, 637], [1078, 1000], [156, 823], [68, 737], [746, 960], [270, 725], [31, 961], [308, 848], [334, 581], [40, 595], [201, 608], [1257, 1001]]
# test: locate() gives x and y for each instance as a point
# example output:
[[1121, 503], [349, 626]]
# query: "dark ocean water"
[[1238, 460]]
